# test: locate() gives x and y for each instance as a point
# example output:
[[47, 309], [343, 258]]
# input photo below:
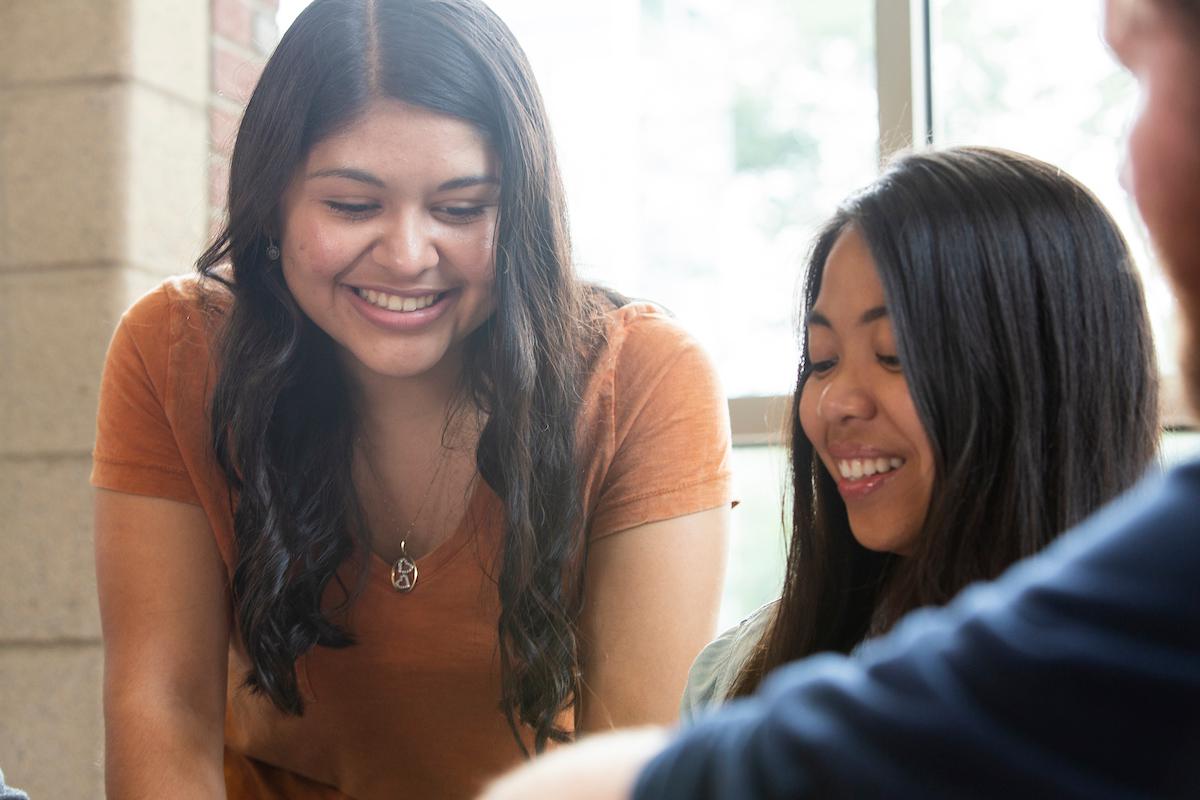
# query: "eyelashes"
[[462, 214], [455, 215], [352, 210], [823, 367], [891, 362]]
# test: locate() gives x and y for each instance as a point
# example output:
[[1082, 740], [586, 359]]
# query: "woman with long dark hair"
[[390, 496], [977, 376]]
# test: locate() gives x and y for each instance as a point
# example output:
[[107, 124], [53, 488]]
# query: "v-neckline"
[[429, 564]]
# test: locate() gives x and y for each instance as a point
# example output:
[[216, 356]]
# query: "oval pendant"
[[404, 574]]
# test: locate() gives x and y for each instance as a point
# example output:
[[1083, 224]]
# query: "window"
[[1037, 77]]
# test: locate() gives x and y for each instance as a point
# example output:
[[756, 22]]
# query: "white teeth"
[[394, 302], [855, 468]]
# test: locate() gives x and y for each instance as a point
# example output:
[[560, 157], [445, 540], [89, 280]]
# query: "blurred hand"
[[600, 767]]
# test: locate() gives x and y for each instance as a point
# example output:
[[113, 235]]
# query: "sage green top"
[[716, 668]]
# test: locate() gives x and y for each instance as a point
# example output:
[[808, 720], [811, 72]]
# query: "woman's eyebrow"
[[872, 314], [468, 182], [868, 316], [350, 174], [363, 176]]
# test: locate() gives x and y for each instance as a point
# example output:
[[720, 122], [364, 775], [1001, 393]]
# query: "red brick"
[[216, 221], [233, 19], [218, 183], [222, 130], [234, 77]]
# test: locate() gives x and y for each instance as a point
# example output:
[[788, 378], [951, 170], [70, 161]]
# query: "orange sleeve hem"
[[143, 479], [665, 504]]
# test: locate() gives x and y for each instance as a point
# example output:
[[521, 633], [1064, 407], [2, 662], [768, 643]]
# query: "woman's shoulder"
[[166, 336], [716, 668], [642, 343], [189, 298], [643, 324]]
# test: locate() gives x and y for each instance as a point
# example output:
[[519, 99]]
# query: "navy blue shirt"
[[1076, 674]]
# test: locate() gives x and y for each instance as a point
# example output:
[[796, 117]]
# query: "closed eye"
[[891, 362], [462, 214], [822, 367], [351, 209]]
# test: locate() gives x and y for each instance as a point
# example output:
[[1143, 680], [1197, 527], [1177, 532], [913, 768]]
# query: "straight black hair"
[[1022, 330], [282, 422]]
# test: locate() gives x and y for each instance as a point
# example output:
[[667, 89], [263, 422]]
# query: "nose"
[[844, 397], [406, 245]]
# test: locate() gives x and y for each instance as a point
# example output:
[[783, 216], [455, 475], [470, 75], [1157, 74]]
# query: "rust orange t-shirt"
[[412, 709]]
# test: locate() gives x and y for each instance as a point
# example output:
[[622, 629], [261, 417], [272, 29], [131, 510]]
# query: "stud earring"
[[272, 250]]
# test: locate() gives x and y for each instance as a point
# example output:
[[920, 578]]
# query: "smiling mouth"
[[394, 302], [855, 468]]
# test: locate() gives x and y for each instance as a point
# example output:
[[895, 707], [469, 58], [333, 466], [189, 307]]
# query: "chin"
[[879, 542], [395, 366]]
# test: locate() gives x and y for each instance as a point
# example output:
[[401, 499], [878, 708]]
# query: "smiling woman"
[[884, 476], [961, 312], [414, 498], [388, 228]]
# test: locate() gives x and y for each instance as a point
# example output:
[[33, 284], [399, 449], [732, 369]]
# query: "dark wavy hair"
[[1022, 329], [282, 423]]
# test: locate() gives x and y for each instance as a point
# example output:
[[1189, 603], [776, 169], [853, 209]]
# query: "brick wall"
[[243, 35]]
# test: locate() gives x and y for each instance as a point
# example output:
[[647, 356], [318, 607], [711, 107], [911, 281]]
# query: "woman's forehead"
[[850, 277]]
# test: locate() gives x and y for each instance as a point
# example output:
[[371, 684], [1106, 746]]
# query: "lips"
[[861, 470], [409, 311]]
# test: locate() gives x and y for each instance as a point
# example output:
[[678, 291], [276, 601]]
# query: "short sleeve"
[[716, 669], [136, 448], [669, 428]]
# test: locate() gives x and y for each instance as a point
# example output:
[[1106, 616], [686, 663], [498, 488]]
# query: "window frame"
[[904, 88]]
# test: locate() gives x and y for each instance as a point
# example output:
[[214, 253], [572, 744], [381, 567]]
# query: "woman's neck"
[[395, 410]]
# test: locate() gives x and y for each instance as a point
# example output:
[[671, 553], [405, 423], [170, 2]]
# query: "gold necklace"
[[404, 569]]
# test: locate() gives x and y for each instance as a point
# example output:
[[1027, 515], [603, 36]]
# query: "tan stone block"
[[63, 158], [47, 585], [54, 332], [167, 182], [108, 173], [171, 46], [57, 40], [52, 727]]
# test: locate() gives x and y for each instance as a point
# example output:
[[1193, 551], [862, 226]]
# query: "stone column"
[[103, 191]]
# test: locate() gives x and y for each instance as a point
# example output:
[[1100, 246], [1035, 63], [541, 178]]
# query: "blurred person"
[[10, 792], [1076, 674], [960, 312], [389, 498]]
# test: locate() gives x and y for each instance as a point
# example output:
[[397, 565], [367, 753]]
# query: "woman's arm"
[[165, 614], [652, 594]]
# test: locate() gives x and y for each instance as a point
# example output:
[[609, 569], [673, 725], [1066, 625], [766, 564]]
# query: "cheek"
[[315, 248], [1164, 177], [1164, 155], [903, 412], [475, 253], [809, 412]]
